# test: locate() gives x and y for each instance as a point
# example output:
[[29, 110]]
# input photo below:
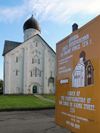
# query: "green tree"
[[1, 84]]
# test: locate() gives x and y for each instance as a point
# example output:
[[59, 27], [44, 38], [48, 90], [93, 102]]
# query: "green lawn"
[[22, 101], [52, 97]]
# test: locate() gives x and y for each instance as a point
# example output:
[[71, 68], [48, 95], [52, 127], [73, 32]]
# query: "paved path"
[[30, 122], [41, 97]]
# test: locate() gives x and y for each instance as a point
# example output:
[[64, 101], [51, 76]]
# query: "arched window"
[[51, 80]]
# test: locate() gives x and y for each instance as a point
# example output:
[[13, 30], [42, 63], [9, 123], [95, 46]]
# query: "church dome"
[[32, 23]]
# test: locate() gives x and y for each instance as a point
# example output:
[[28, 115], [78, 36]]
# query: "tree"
[[1, 84]]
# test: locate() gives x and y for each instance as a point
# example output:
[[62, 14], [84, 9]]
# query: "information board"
[[78, 79]]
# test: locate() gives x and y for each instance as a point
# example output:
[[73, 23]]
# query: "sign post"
[[78, 79]]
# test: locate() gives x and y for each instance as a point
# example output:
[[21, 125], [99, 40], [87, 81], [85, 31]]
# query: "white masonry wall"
[[28, 33], [30, 73]]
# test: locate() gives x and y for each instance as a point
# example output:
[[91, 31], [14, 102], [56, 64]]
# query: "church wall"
[[16, 73], [4, 76], [7, 65], [50, 72], [45, 71]]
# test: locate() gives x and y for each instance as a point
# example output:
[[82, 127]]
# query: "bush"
[[1, 84]]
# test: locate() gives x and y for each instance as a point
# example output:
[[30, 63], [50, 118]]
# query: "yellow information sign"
[[78, 79]]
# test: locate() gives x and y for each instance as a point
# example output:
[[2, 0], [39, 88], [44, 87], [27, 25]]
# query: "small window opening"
[[32, 60], [38, 61], [36, 44], [16, 59], [16, 72], [35, 72], [31, 73]]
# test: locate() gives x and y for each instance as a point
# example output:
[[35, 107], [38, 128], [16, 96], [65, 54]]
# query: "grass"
[[22, 101], [52, 97]]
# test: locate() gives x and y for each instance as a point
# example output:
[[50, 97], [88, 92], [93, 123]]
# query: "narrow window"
[[36, 44], [38, 61], [35, 72], [16, 59], [38, 71], [40, 74], [32, 60], [16, 72], [36, 52], [31, 73]]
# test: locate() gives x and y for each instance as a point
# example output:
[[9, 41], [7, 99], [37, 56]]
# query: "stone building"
[[29, 67]]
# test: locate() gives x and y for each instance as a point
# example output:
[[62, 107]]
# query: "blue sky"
[[55, 17]]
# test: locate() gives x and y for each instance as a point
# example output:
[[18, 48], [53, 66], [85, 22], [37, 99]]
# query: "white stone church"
[[29, 67]]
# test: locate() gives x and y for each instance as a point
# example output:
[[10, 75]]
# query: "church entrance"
[[34, 89]]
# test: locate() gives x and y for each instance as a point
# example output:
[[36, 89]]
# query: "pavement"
[[40, 121], [43, 98]]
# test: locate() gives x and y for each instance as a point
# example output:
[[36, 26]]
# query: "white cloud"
[[8, 14], [62, 11], [59, 11]]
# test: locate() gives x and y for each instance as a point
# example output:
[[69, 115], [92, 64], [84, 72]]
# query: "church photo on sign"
[[29, 66], [83, 74]]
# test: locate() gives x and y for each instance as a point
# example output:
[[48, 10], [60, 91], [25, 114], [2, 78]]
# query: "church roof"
[[32, 23], [10, 45]]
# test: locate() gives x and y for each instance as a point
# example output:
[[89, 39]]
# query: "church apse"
[[83, 73]]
